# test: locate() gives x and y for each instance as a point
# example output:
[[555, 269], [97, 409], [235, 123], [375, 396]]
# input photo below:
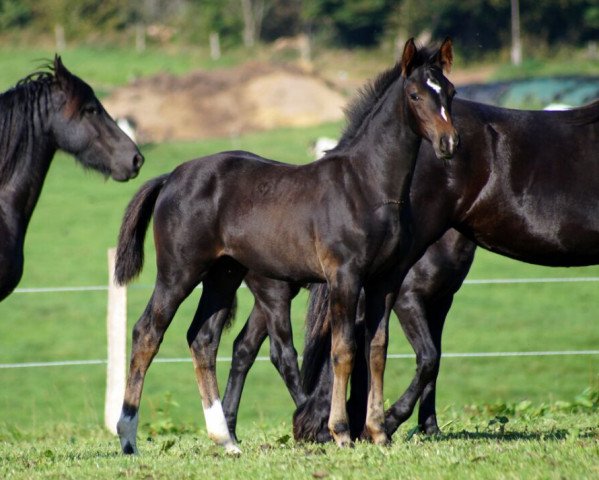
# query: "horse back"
[[270, 216]]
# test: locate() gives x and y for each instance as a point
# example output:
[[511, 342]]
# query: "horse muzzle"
[[129, 169], [447, 145]]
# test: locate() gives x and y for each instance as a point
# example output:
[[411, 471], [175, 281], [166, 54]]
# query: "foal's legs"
[[379, 299], [344, 292], [270, 316], [147, 337], [203, 337]]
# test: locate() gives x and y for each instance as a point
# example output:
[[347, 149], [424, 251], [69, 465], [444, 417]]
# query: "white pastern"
[[216, 425], [434, 85], [444, 114]]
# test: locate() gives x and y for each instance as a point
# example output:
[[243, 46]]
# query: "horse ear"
[[61, 73], [444, 57], [407, 58]]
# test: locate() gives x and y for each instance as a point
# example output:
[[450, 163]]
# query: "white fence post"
[[117, 347]]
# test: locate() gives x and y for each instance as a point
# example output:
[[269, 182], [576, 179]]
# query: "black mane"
[[369, 95], [19, 107]]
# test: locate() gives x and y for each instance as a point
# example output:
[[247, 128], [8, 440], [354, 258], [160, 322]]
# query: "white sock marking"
[[216, 424], [434, 85]]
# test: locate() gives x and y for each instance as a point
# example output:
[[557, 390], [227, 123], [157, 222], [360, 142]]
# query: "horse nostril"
[[456, 141], [138, 161]]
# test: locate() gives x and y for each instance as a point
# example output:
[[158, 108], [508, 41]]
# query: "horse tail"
[[130, 250], [311, 418], [317, 344]]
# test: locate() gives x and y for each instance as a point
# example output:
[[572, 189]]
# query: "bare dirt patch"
[[254, 96]]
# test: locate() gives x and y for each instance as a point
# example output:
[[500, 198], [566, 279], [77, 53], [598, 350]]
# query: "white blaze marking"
[[444, 114], [434, 85]]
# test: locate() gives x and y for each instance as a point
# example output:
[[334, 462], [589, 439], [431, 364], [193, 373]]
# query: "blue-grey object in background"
[[534, 93]]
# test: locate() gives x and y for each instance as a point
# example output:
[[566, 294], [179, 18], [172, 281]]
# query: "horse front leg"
[[342, 311], [379, 299], [427, 413], [203, 338], [416, 329]]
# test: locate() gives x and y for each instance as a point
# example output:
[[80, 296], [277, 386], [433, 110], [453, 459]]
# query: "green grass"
[[107, 67], [555, 445]]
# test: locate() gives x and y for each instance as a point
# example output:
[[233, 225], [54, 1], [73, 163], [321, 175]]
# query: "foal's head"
[[429, 94], [81, 126]]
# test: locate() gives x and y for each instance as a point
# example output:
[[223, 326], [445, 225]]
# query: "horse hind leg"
[[245, 349], [147, 336], [203, 337]]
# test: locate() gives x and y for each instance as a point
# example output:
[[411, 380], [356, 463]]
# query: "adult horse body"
[[48, 111], [336, 220], [523, 184]]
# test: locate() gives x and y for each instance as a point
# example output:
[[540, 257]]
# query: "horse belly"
[[275, 247], [551, 243]]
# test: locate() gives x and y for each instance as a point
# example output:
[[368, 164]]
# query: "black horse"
[[523, 184], [339, 220], [46, 111]]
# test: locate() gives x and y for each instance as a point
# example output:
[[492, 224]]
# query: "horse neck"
[[385, 150], [26, 150]]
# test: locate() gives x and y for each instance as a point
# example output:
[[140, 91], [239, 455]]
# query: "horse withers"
[[46, 111], [342, 220]]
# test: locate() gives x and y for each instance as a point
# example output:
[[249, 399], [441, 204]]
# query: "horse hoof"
[[380, 439], [343, 440], [432, 431], [129, 449], [232, 449]]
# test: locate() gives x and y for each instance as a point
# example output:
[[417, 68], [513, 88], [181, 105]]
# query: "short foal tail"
[[130, 250]]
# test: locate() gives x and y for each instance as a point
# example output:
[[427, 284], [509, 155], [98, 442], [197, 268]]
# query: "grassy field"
[[50, 418]]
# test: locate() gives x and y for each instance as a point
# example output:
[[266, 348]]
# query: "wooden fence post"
[[117, 347]]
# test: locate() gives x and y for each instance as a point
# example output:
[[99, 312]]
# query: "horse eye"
[[414, 96], [91, 110]]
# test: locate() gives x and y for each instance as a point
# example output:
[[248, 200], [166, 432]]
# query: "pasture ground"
[[50, 418]]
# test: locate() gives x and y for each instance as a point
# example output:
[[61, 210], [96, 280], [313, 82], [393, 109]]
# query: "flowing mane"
[[371, 93], [18, 109]]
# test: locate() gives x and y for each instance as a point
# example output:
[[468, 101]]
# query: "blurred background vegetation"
[[482, 26]]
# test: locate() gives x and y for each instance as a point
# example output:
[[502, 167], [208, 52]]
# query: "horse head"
[[81, 126], [429, 95]]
